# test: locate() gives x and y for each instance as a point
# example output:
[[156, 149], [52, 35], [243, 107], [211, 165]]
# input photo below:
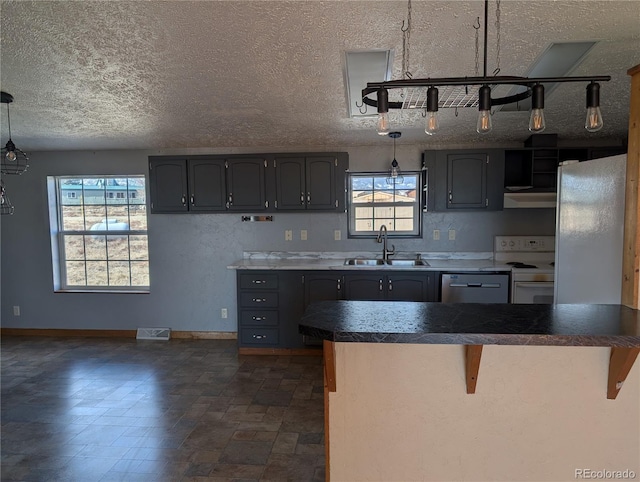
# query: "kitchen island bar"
[[397, 408]]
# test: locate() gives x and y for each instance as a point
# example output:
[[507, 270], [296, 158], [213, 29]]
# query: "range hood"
[[529, 200]]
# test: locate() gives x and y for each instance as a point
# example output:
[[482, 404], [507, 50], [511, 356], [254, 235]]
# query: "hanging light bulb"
[[383, 112], [11, 151], [12, 159], [432, 125], [536, 120], [593, 122], [395, 174], [484, 110]]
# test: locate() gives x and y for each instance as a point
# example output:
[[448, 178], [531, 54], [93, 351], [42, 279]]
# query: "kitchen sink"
[[408, 262], [379, 262], [363, 262]]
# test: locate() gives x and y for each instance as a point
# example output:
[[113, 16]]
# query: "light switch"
[[303, 234], [452, 234], [288, 235]]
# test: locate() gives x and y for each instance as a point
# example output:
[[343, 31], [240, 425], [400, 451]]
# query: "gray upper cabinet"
[[310, 182], [207, 183], [246, 190], [466, 180], [263, 182], [168, 176]]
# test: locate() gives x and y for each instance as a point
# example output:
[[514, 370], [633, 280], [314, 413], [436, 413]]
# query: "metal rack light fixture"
[[13, 160], [457, 92]]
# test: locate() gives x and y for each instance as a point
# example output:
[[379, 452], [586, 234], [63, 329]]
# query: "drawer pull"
[[258, 318], [260, 337], [258, 281], [259, 300]]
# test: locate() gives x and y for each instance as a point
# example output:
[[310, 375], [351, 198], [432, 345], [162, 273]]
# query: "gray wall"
[[189, 253]]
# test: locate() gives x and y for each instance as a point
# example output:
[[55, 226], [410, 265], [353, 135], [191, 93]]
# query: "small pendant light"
[[395, 174], [12, 160]]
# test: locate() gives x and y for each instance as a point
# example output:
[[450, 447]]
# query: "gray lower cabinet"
[[269, 308], [469, 180], [397, 286], [271, 302]]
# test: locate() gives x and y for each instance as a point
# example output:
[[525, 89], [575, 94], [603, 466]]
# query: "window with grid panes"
[[100, 226], [376, 200]]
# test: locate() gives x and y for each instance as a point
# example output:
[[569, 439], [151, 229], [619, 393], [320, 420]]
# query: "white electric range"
[[532, 266]]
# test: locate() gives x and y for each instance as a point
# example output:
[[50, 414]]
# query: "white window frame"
[[390, 186], [58, 234]]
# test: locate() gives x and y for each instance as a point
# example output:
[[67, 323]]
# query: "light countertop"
[[335, 261]]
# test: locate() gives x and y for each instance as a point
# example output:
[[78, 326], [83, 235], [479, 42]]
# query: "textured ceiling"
[[182, 74]]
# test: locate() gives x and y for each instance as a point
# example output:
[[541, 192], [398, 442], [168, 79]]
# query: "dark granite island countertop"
[[472, 323], [475, 325]]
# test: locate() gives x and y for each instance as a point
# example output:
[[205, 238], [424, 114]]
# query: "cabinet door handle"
[[381, 285], [193, 200], [259, 300], [258, 318], [308, 198], [302, 198], [339, 285], [390, 286], [260, 337], [258, 281], [450, 196], [184, 200], [230, 198]]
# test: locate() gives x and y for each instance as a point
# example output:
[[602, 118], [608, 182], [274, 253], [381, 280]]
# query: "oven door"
[[529, 292]]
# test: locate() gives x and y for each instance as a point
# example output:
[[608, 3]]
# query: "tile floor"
[[76, 409]]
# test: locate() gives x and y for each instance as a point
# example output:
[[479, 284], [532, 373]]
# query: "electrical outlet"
[[452, 234], [436, 234], [16, 311], [224, 313], [303, 234], [337, 235], [288, 235]]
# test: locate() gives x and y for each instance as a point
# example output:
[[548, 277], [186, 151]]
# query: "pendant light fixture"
[[13, 160], [395, 174], [536, 119], [484, 110], [383, 112], [461, 92], [433, 123], [5, 203], [593, 122]]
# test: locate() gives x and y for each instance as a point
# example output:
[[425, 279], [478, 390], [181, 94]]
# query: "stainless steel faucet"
[[382, 238]]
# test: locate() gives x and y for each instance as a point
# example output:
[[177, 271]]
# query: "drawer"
[[257, 299], [256, 281], [259, 317], [259, 336]]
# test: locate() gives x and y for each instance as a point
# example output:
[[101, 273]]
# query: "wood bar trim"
[[620, 365], [631, 246], [473, 353], [328, 348]]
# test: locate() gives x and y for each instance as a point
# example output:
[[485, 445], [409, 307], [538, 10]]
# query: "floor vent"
[[153, 334]]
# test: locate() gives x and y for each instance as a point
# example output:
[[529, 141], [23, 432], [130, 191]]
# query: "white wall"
[[189, 253], [401, 413]]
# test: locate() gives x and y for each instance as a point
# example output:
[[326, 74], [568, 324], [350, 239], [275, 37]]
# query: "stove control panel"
[[525, 244]]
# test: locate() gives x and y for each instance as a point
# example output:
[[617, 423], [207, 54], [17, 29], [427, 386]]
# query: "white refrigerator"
[[589, 231]]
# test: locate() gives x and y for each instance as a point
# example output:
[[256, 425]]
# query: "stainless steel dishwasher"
[[475, 288]]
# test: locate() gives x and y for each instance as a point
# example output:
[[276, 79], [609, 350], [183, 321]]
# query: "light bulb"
[[383, 123], [593, 122], [432, 125], [11, 156], [536, 121], [484, 122]]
